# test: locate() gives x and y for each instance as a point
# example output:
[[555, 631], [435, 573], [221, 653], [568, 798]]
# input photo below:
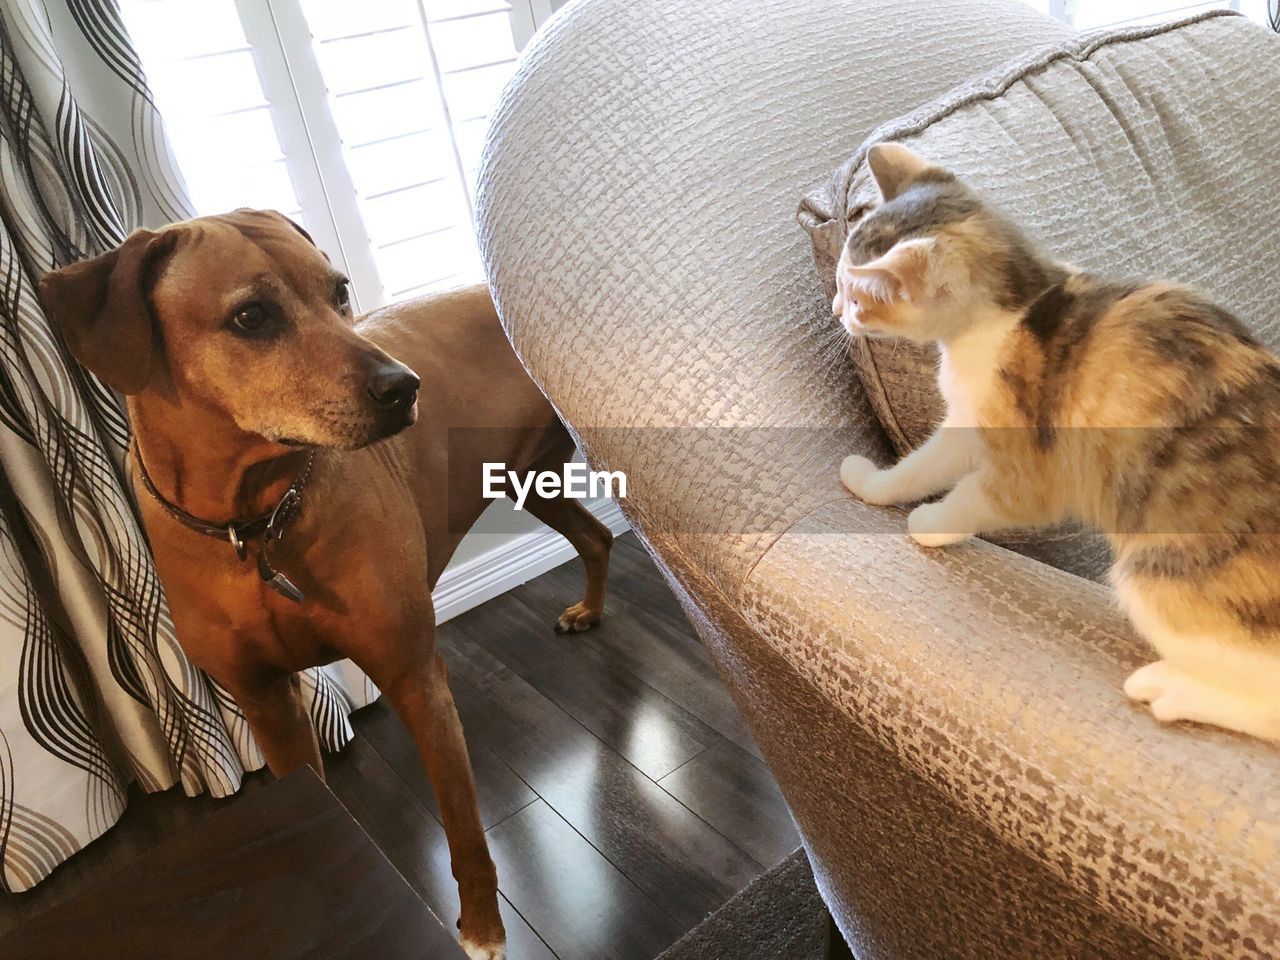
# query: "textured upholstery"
[[637, 210], [948, 728]]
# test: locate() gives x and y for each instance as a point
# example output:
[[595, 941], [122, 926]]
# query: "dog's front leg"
[[272, 704], [421, 697]]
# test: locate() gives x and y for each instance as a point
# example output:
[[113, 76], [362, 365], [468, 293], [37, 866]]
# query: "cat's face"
[[924, 259]]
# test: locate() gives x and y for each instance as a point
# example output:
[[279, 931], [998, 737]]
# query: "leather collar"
[[268, 526]]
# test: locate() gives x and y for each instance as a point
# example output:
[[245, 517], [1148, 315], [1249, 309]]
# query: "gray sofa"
[[947, 727]]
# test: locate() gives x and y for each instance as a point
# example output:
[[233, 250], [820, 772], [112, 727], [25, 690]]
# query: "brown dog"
[[248, 378]]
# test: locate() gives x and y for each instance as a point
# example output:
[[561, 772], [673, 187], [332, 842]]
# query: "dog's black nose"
[[393, 385]]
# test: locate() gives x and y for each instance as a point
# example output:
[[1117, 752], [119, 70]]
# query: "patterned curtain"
[[94, 689]]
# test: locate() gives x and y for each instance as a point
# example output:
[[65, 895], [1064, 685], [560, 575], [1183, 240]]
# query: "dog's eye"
[[342, 293], [250, 318]]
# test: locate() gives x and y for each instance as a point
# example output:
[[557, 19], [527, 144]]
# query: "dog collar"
[[270, 526]]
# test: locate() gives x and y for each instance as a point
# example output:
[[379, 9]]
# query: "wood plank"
[[684, 865], [655, 642], [412, 839], [279, 875], [736, 794], [633, 576], [404, 831], [499, 792], [677, 852], [583, 906], [148, 820], [654, 734], [638, 577]]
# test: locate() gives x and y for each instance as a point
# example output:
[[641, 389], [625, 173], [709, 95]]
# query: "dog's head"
[[239, 314]]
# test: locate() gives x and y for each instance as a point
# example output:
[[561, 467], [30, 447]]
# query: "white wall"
[[500, 523]]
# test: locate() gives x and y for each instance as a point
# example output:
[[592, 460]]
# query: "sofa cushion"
[[1141, 152]]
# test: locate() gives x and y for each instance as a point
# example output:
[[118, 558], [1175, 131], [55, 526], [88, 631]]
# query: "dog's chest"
[[357, 551], [374, 589], [355, 585]]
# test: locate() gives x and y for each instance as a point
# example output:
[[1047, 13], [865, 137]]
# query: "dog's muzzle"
[[393, 388]]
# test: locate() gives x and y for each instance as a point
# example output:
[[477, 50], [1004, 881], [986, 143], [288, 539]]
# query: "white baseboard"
[[510, 564]]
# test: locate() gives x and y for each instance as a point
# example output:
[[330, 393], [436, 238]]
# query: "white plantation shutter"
[[364, 119], [200, 68]]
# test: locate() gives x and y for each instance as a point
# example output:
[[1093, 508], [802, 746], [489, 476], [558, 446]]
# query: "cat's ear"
[[909, 272], [895, 168]]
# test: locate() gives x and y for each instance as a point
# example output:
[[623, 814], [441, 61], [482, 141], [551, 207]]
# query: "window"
[[1091, 14], [362, 120]]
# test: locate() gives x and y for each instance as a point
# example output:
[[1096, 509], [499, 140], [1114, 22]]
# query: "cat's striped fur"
[[1140, 408]]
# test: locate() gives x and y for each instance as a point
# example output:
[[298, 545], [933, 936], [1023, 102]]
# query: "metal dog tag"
[[286, 587], [234, 536], [277, 581]]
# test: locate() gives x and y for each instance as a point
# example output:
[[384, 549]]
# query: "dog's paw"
[[578, 619], [927, 527], [859, 475], [476, 951]]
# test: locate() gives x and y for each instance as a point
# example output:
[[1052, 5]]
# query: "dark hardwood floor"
[[623, 795]]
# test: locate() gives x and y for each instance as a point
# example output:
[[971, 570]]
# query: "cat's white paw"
[[1147, 683], [475, 951], [927, 526], [1176, 704], [1171, 694], [855, 470], [859, 476]]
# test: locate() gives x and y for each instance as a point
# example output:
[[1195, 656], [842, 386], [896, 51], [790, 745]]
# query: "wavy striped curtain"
[[94, 689]]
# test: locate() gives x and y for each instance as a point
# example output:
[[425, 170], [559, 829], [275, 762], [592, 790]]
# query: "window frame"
[[281, 43]]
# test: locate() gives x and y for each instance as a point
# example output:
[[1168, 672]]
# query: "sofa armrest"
[[998, 680], [636, 210]]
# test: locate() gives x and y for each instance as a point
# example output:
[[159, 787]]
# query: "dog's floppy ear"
[[103, 307], [297, 226]]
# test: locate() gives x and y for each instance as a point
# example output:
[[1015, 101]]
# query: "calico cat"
[[1139, 408]]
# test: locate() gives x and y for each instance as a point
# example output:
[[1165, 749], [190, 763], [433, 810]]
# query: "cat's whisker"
[[833, 349], [836, 351]]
